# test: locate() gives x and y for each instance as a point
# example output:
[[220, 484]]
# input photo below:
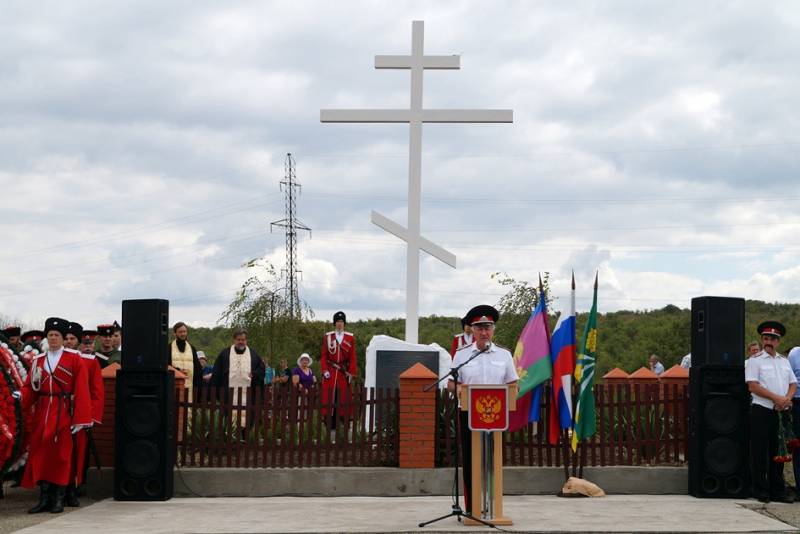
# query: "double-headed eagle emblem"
[[488, 407]]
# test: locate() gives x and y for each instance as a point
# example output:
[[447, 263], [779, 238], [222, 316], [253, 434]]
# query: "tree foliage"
[[625, 338], [516, 305], [261, 306]]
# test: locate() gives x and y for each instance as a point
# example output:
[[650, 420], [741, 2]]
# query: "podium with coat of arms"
[[488, 408]]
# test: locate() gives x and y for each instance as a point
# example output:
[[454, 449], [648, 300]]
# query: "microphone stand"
[[456, 507]]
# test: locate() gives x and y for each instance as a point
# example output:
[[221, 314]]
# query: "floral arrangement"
[[787, 442], [11, 419]]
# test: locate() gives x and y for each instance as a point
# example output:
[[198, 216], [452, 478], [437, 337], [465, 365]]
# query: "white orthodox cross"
[[415, 116]]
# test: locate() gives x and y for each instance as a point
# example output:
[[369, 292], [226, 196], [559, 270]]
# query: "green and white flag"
[[585, 421]]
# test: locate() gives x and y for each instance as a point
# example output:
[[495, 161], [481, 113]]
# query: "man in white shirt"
[[483, 363], [772, 384], [655, 365]]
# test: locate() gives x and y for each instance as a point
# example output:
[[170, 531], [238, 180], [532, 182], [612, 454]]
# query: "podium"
[[488, 408]]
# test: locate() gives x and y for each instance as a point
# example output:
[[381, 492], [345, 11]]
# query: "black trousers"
[[767, 475], [466, 457]]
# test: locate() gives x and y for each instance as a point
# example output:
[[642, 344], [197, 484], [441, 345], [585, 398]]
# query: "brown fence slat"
[[639, 424], [601, 392]]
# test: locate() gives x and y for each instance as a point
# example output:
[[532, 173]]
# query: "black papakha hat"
[[773, 328], [12, 331], [482, 314], [58, 324], [75, 329], [339, 316]]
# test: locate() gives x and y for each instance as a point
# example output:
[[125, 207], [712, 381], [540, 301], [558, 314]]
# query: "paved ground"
[[14, 509], [616, 513]]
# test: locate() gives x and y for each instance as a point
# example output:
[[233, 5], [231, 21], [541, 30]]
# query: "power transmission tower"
[[291, 225]]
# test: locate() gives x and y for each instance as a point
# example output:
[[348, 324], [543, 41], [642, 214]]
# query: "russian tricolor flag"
[[563, 350]]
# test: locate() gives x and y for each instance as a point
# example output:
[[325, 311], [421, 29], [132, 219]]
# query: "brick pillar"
[[104, 434], [417, 417]]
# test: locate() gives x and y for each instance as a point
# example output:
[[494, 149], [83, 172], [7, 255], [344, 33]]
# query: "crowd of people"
[[61, 389]]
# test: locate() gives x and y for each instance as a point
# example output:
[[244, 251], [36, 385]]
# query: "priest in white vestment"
[[239, 366]]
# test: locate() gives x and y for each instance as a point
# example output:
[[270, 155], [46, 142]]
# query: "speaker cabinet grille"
[[145, 442], [718, 429]]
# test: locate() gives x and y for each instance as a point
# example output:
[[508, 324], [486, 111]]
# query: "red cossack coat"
[[60, 401], [97, 395], [336, 358]]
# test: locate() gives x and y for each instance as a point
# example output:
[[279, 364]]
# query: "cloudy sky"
[[142, 144]]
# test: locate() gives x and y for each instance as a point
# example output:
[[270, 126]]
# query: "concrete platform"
[[616, 513], [394, 482]]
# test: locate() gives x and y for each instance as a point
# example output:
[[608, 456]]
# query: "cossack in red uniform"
[[461, 340], [61, 399], [339, 366], [97, 399]]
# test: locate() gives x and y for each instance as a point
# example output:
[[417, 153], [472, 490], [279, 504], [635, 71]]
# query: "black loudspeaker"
[[717, 331], [719, 449], [146, 343], [144, 451]]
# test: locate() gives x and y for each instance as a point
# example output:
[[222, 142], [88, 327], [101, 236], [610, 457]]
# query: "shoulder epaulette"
[[101, 356], [42, 355], [71, 350], [331, 332], [88, 355], [348, 333]]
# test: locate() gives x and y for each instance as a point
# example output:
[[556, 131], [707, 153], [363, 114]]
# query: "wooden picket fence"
[[637, 424], [283, 426]]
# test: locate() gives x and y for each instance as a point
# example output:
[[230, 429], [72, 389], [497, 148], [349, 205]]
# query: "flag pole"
[[564, 432]]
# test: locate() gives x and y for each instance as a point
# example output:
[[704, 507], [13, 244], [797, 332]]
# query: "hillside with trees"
[[625, 338]]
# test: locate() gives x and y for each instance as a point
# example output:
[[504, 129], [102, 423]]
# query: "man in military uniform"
[[339, 366], [772, 383], [83, 341], [33, 338], [483, 363], [116, 337], [13, 334], [463, 339], [105, 333], [59, 389]]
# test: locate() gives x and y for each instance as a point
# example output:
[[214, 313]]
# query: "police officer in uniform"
[[772, 384], [488, 364]]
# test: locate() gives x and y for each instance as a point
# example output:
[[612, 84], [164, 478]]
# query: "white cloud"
[[141, 150]]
